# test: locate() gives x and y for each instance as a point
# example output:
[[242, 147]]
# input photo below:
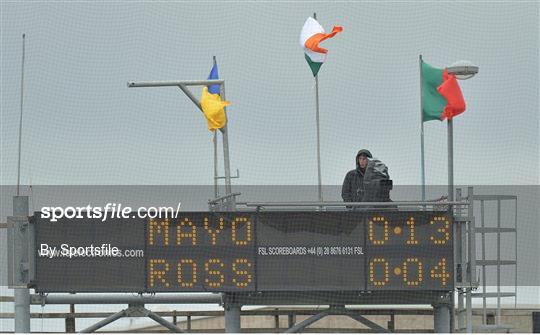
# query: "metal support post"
[[460, 261], [392, 323], [291, 319], [232, 318], [441, 317], [471, 259], [21, 295], [70, 319], [484, 286], [226, 160], [22, 310], [498, 316], [70, 323]]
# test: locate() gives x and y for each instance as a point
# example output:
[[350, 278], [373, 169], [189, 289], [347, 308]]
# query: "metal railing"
[[484, 263], [186, 318], [339, 205]]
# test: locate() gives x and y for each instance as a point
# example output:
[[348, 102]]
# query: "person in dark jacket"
[[353, 185]]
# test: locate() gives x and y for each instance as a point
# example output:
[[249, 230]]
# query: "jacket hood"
[[362, 152]]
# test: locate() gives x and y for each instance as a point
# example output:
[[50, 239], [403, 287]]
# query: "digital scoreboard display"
[[247, 252], [201, 252]]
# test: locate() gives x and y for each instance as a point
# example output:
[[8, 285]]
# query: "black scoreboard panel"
[[409, 251], [306, 251], [201, 252], [253, 251], [69, 273]]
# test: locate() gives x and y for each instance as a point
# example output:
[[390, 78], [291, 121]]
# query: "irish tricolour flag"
[[312, 34]]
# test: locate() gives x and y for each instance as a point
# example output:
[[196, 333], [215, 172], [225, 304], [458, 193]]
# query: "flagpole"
[[318, 131], [214, 140], [21, 296], [226, 160], [450, 160], [21, 117], [216, 193], [422, 162]]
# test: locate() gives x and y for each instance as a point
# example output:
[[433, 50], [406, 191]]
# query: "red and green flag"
[[441, 95]]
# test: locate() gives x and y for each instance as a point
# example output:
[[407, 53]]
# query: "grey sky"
[[82, 125]]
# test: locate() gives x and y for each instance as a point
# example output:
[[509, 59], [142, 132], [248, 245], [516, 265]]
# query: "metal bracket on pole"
[[175, 83], [18, 267]]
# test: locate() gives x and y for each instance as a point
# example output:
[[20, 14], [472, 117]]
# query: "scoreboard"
[[247, 252]]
